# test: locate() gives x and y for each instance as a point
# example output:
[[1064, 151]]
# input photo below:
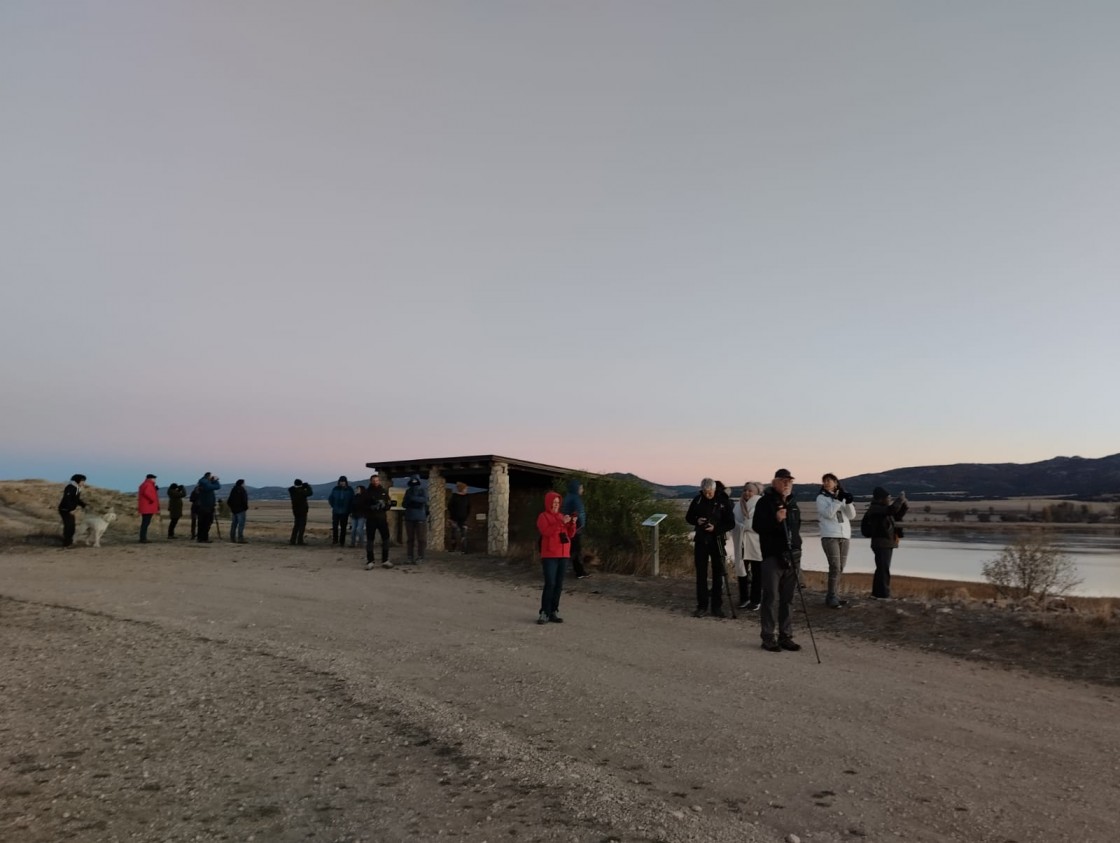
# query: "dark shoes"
[[542, 618], [754, 607], [834, 602], [555, 618], [699, 613], [718, 613], [772, 646]]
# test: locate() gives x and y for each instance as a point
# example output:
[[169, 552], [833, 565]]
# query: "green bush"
[[616, 509]]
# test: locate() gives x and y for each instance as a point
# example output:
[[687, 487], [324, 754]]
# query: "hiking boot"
[[718, 613], [789, 644], [555, 618], [770, 645], [699, 613], [542, 618]]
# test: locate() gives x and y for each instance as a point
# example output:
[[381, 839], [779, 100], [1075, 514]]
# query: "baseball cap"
[[783, 474]]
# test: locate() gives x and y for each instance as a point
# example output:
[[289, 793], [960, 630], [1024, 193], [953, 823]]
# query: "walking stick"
[[805, 609], [804, 605]]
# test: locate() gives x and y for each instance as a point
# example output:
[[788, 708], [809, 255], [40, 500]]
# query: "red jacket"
[[551, 525], [148, 503]]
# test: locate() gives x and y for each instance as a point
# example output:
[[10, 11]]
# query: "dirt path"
[[186, 692]]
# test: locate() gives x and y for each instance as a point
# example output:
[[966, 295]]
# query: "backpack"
[[867, 527]]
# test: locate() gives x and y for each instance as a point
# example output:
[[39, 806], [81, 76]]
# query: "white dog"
[[94, 526]]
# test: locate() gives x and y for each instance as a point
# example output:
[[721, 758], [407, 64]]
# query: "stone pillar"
[[497, 524], [393, 518], [437, 509]]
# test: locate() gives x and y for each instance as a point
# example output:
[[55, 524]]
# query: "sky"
[[273, 239]]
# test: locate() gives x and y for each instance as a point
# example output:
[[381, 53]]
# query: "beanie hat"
[[343, 479], [879, 494]]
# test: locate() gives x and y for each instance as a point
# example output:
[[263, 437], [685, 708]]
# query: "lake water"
[[960, 555]]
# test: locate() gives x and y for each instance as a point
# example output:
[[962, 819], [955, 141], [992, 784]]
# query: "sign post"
[[652, 522]]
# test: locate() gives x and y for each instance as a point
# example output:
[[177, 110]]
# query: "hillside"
[[1075, 477]]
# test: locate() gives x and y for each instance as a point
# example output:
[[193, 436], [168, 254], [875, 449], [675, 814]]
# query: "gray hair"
[[707, 483]]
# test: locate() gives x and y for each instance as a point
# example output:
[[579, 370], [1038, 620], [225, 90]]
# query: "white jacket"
[[835, 517], [744, 539]]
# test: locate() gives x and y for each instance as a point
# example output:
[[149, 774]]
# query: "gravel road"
[[180, 692]]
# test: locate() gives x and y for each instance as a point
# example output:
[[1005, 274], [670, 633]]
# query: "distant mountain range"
[[1074, 477]]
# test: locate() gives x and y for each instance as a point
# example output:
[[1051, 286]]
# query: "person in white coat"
[[835, 512], [746, 550]]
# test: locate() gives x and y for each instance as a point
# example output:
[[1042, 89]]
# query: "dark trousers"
[[553, 570], [756, 581], [298, 526], [708, 551], [171, 526], [69, 526], [778, 585], [377, 527], [881, 582], [145, 522], [459, 536], [338, 528], [577, 555], [205, 522], [417, 538]]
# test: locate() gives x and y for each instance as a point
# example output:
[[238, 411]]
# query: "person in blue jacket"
[[341, 499], [573, 505], [207, 486], [416, 519]]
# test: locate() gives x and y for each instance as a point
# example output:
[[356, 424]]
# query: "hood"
[[548, 499], [573, 486], [414, 480]]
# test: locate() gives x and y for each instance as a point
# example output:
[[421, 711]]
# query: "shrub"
[[1031, 567], [616, 509]]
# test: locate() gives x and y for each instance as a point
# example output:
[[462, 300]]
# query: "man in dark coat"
[[299, 492], [777, 520], [712, 516], [376, 505]]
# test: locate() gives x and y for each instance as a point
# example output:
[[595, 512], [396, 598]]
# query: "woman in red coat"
[[147, 504], [556, 546]]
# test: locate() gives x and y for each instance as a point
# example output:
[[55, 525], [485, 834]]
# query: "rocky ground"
[[175, 692]]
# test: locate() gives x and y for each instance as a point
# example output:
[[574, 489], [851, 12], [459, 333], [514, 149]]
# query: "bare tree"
[[1032, 567]]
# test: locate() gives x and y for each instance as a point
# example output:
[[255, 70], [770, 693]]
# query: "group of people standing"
[[365, 511], [765, 531]]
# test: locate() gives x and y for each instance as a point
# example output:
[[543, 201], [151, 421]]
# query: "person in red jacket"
[[556, 545], [147, 504]]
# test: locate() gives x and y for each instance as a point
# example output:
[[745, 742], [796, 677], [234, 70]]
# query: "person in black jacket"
[[880, 525], [71, 500], [459, 510], [175, 494], [238, 503], [376, 506], [299, 492], [777, 520], [712, 517]]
